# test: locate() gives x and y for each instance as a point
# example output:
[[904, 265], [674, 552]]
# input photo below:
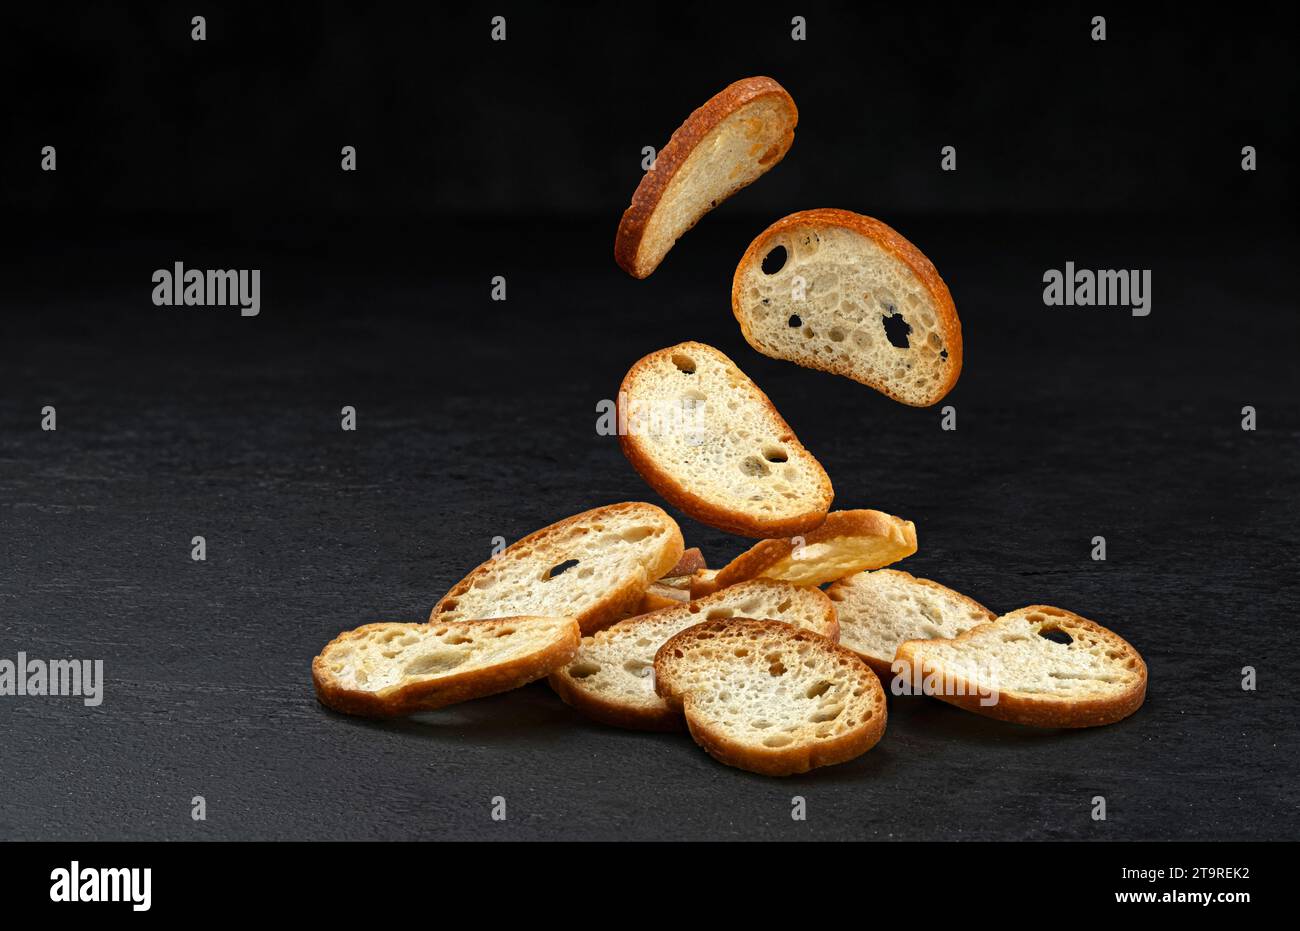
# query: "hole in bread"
[[829, 713], [774, 261], [753, 466], [717, 614], [505, 632], [816, 689], [778, 740], [636, 534], [1056, 636], [583, 669], [639, 668], [794, 322], [559, 569], [685, 364], [808, 332], [693, 397], [434, 663], [836, 335], [896, 328], [943, 354], [775, 666], [773, 453], [741, 653]]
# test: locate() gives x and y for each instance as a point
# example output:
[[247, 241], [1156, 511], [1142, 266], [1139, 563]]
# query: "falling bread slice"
[[706, 438], [385, 670], [770, 698], [594, 566], [845, 543], [738, 135], [843, 293], [611, 678], [1040, 665], [879, 610]]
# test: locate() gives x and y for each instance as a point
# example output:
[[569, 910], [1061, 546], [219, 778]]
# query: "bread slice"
[[843, 293], [879, 610], [612, 676], [706, 438], [385, 670], [770, 698], [1093, 677], [739, 134], [845, 543], [594, 567]]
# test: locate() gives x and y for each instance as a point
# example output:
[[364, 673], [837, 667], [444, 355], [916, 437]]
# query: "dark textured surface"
[[476, 419]]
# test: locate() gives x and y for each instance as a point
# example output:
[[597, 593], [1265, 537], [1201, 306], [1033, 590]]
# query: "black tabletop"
[[476, 419]]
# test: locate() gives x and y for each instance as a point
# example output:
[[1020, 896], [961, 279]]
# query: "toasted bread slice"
[[845, 543], [706, 438], [1094, 678], [385, 670], [612, 676], [770, 698], [739, 134], [879, 610], [843, 293], [594, 567]]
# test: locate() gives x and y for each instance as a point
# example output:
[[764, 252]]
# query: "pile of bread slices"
[[775, 662]]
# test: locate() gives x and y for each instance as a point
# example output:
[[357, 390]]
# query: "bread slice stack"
[[635, 631], [765, 696], [594, 567], [738, 135], [385, 670], [611, 677], [706, 438], [844, 293]]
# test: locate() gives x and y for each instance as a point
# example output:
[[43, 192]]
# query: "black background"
[[477, 418]]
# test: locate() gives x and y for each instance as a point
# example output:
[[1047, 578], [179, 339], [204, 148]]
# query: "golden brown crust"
[[752, 563], [704, 583], [892, 242], [698, 507], [787, 761], [619, 602], [1041, 711], [646, 198], [444, 690], [879, 665], [692, 561]]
